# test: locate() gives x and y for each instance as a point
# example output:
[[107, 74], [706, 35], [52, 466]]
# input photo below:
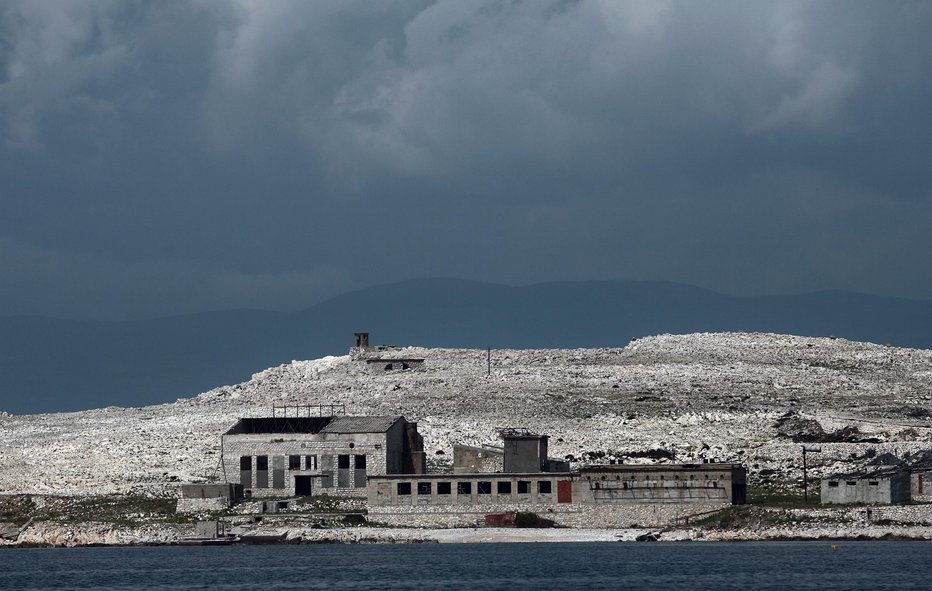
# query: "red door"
[[565, 491]]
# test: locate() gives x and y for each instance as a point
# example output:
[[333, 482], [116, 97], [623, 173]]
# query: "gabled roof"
[[873, 473], [361, 424], [885, 459]]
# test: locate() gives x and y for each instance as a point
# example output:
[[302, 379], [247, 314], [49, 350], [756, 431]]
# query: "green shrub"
[[532, 520]]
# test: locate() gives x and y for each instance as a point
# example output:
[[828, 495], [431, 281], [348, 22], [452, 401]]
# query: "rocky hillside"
[[749, 398]]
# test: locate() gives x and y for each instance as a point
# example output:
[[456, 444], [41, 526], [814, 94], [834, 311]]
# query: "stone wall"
[[202, 505], [578, 516]]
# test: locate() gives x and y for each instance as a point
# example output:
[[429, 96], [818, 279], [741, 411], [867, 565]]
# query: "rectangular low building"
[[663, 483], [883, 486]]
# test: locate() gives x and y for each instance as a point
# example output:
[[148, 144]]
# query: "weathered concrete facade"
[[591, 497], [279, 456], [881, 486], [477, 460]]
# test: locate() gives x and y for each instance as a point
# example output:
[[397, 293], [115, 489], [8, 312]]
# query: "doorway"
[[302, 486]]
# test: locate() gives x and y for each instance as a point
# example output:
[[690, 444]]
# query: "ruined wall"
[[319, 458], [477, 460], [921, 486]]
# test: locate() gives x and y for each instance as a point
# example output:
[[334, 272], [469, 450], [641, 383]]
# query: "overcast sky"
[[171, 157]]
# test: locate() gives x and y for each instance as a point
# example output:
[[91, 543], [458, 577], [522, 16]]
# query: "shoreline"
[[94, 535]]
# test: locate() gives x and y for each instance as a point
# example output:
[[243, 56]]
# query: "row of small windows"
[[502, 487], [304, 462], [833, 483]]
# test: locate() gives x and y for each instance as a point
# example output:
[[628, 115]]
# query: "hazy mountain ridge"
[[53, 365]]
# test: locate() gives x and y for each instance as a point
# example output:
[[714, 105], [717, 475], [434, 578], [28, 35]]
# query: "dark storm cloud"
[[162, 157]]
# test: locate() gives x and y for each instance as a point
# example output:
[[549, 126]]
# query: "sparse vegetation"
[[533, 520]]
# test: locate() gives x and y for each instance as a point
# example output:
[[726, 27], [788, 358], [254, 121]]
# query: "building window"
[[444, 488], [873, 483], [832, 484], [310, 462], [262, 471], [484, 487], [524, 487], [464, 488], [423, 488], [245, 462], [343, 473], [851, 482], [294, 462], [544, 487], [359, 476], [504, 487], [404, 489]]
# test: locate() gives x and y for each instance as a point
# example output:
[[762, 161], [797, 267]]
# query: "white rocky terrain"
[[685, 398]]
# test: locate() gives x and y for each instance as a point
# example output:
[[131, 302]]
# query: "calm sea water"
[[718, 566]]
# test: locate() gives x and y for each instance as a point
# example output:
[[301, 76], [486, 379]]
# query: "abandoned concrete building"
[[313, 455], [591, 496], [886, 479], [878, 485], [521, 452], [382, 358]]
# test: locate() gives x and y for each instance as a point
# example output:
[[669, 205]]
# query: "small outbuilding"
[[882, 485]]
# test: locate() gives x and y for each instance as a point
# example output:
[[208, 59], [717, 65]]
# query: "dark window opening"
[[524, 487], [423, 488], [504, 487], [343, 462], [294, 462], [484, 487], [464, 488], [873, 483], [404, 365], [262, 463], [388, 367], [832, 484], [544, 487], [404, 488], [245, 463], [310, 462], [444, 488], [360, 462], [851, 483]]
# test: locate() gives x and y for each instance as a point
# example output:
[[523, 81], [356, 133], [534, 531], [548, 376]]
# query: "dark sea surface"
[[670, 566]]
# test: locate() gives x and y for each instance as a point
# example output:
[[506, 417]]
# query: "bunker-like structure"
[[313, 455]]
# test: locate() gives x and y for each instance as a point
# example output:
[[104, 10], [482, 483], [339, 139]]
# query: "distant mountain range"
[[49, 365]]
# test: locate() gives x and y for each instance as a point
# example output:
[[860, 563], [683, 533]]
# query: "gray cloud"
[[248, 153]]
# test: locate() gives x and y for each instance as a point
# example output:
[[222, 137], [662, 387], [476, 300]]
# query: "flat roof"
[[659, 467], [312, 425], [452, 476]]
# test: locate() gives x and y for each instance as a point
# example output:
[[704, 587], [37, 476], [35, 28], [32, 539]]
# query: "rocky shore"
[[99, 534]]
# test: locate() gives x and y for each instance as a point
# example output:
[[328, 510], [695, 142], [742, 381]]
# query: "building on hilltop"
[[381, 358], [314, 455]]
